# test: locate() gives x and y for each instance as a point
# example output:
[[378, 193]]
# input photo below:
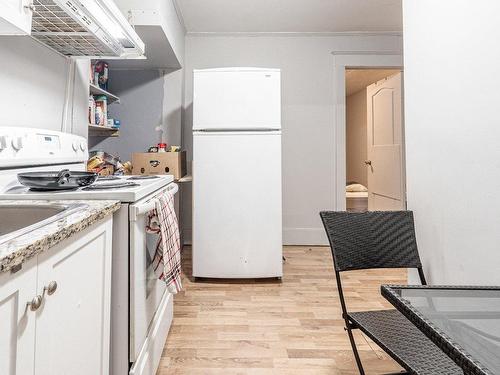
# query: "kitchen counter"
[[15, 252]]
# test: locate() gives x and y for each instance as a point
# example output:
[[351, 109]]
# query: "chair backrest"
[[372, 240]]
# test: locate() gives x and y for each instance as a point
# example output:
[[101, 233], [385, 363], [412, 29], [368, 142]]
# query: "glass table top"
[[466, 319]]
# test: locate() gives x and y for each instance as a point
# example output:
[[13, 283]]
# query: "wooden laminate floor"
[[266, 327]]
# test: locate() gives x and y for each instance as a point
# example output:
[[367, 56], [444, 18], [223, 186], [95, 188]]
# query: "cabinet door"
[[17, 320], [15, 17], [73, 323]]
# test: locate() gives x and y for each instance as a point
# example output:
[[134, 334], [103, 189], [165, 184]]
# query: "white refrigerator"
[[237, 230]]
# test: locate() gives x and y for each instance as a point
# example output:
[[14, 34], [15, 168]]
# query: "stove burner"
[[108, 178], [117, 185], [142, 177]]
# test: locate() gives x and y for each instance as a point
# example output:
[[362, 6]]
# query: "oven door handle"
[[136, 211]]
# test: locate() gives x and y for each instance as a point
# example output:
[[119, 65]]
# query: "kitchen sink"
[[19, 219]]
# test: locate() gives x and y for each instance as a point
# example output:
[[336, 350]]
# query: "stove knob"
[[83, 146], [74, 145], [3, 142], [17, 143]]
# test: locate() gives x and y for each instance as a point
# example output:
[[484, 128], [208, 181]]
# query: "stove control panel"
[[24, 147]]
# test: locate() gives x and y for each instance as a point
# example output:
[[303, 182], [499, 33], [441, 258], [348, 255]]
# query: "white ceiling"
[[291, 15], [359, 79]]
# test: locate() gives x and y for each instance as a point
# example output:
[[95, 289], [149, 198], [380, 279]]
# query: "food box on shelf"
[[154, 163]]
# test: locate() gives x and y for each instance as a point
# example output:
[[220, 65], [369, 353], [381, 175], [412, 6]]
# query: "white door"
[[17, 320], [386, 185], [237, 99], [73, 324], [237, 229], [15, 17]]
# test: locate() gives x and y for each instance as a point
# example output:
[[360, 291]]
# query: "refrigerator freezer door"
[[236, 100], [237, 229]]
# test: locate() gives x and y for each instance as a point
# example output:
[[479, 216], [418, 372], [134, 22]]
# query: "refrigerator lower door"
[[237, 231]]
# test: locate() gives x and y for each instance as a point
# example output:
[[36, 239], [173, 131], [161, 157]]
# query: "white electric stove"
[[141, 307], [126, 189]]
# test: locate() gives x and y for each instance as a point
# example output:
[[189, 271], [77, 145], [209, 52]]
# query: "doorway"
[[375, 178]]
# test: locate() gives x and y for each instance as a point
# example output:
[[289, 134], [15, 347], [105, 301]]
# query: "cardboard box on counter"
[[154, 163]]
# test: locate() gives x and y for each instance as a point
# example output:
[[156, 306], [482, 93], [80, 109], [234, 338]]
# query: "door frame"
[[353, 60]]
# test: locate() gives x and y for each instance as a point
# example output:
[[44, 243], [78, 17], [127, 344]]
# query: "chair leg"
[[355, 351]]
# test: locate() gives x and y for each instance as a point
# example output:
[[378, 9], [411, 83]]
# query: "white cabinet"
[[73, 323], [15, 17], [17, 320], [158, 25], [69, 333]]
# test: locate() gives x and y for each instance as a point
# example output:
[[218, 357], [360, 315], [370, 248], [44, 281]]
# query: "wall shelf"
[[96, 90], [103, 131], [98, 130]]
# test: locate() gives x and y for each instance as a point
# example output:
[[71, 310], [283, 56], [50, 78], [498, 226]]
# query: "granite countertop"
[[82, 214]]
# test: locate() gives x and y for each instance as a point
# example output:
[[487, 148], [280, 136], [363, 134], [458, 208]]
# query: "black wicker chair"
[[383, 240]]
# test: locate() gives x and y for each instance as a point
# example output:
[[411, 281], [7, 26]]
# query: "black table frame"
[[467, 363]]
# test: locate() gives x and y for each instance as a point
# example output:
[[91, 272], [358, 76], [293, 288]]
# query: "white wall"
[[173, 90], [356, 132], [452, 136], [34, 84], [308, 110]]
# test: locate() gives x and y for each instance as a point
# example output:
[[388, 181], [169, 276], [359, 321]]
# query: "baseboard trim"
[[305, 236]]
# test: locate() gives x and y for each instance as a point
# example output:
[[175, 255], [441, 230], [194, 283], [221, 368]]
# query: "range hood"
[[94, 28]]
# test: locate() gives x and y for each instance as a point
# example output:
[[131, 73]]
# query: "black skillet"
[[62, 180]]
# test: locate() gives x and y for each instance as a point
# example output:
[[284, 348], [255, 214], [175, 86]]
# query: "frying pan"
[[62, 180]]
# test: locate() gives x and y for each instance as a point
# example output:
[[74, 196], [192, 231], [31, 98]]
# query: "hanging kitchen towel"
[[167, 256]]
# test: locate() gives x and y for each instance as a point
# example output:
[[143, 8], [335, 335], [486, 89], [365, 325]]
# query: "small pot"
[[63, 180]]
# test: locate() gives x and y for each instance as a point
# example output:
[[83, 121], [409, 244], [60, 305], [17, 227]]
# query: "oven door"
[[146, 290]]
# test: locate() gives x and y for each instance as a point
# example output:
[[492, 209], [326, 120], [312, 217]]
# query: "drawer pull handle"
[[35, 303], [51, 288]]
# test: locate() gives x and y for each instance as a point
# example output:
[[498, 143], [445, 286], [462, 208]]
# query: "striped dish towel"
[[166, 260]]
